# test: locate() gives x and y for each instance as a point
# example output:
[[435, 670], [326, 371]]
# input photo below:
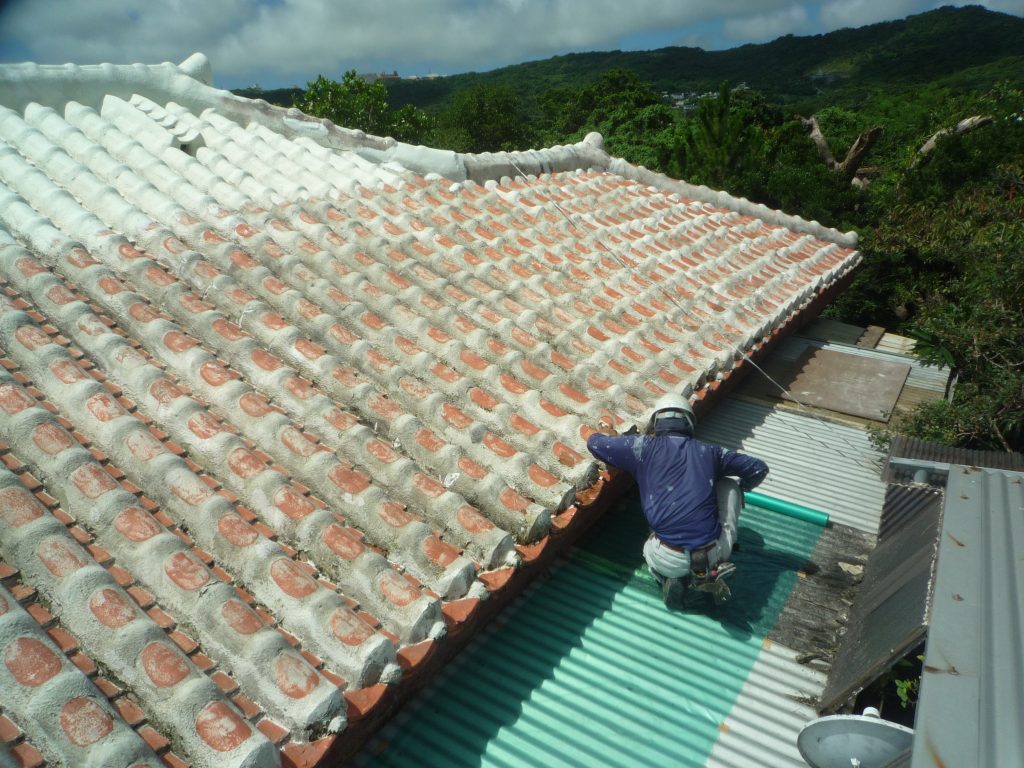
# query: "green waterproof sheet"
[[590, 669]]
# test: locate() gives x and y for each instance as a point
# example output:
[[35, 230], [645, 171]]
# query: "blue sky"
[[284, 42]]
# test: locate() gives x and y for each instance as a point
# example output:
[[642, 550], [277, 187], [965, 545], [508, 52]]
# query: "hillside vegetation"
[[969, 46], [804, 72], [942, 231]]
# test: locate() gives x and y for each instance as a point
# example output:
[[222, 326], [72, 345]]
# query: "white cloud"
[[119, 30], [455, 34], [1003, 6], [303, 37], [762, 27]]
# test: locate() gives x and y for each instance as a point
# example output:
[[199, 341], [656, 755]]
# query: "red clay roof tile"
[[391, 375]]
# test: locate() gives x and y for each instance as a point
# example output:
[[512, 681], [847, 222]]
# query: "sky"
[[279, 43]]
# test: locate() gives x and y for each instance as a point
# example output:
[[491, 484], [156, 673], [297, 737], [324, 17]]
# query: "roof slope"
[[270, 410], [889, 616]]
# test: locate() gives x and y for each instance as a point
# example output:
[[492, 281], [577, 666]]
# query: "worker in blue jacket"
[[677, 477]]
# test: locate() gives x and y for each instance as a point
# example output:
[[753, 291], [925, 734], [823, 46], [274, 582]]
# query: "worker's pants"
[[670, 563]]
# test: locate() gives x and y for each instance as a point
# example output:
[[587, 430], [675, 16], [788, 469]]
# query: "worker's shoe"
[[723, 570], [673, 591], [714, 581]]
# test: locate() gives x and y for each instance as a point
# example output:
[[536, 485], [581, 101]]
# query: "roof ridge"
[[190, 84]]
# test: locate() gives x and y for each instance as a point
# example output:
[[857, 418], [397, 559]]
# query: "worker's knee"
[[730, 501]]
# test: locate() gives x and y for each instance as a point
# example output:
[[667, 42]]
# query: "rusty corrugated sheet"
[[923, 451], [890, 615]]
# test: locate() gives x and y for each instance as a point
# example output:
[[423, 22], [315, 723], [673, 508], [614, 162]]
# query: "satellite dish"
[[855, 741]]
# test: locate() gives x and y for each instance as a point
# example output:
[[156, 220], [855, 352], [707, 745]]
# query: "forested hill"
[[803, 71], [832, 68]]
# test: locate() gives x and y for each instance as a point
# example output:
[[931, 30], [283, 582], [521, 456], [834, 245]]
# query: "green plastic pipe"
[[787, 508]]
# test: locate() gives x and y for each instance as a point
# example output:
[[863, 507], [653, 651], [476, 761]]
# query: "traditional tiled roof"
[[281, 403]]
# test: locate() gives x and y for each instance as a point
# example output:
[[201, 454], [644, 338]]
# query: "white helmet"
[[672, 406]]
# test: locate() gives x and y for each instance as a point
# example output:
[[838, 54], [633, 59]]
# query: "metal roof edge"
[[921, 461], [905, 447], [970, 700]]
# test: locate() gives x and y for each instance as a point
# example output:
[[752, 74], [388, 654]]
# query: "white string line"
[[736, 349]]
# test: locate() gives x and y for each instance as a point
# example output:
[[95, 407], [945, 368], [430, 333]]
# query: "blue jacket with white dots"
[[676, 475]]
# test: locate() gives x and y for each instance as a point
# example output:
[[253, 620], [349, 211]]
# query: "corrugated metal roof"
[[813, 462], [828, 330], [906, 504], [889, 617], [593, 670], [928, 377], [972, 699], [769, 711]]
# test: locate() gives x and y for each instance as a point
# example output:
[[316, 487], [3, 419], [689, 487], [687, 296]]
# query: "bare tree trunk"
[[811, 124], [854, 157], [858, 151], [966, 125]]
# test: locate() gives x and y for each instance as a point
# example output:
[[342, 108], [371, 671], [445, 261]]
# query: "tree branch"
[[966, 125], [811, 124], [854, 157], [858, 151], [1002, 438]]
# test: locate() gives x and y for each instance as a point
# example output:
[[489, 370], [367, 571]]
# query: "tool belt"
[[699, 562]]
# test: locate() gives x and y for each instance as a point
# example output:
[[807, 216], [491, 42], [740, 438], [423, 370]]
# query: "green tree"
[[948, 251], [722, 142], [483, 118], [355, 103], [635, 121], [617, 91]]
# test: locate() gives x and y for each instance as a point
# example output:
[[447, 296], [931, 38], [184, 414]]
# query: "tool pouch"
[[699, 563]]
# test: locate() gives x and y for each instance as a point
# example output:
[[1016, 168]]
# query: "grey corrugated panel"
[[815, 463], [972, 699], [929, 377], [770, 710], [904, 504], [890, 614], [829, 330]]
